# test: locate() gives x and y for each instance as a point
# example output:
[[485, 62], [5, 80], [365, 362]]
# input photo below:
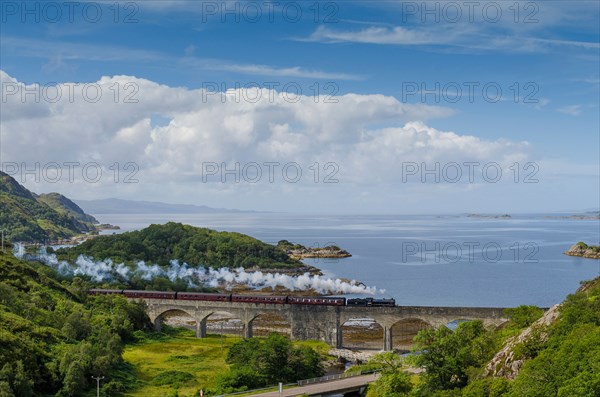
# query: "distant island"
[[585, 251], [298, 251], [120, 206], [492, 216], [590, 215]]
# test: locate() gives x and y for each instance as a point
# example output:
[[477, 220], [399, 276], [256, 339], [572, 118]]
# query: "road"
[[324, 387]]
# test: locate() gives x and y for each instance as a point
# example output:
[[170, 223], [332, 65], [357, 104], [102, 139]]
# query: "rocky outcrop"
[[107, 226], [507, 363], [326, 252], [298, 251], [583, 250], [355, 356]]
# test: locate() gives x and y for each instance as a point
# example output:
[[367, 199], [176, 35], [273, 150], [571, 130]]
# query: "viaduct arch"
[[324, 323]]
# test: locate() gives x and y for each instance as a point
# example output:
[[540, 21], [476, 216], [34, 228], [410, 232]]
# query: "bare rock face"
[[352, 355], [505, 363], [584, 251]]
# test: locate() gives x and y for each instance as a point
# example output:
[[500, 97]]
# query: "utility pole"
[[98, 379], [222, 335]]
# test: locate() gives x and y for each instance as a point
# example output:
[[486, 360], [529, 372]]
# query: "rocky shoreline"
[[326, 253], [585, 251], [78, 239], [107, 226], [298, 251]]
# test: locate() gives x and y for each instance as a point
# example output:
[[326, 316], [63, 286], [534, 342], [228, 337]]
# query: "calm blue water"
[[428, 260]]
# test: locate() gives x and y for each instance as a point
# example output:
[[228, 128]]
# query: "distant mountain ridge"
[[121, 206], [28, 217]]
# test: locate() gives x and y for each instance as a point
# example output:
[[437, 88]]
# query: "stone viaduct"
[[313, 322]]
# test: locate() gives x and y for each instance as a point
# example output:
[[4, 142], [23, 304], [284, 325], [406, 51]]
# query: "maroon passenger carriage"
[[105, 292], [150, 294], [259, 299], [199, 296], [322, 300]]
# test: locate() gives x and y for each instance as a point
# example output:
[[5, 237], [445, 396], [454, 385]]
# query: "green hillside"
[[63, 205], [29, 218], [567, 363], [557, 355], [53, 339], [196, 246]]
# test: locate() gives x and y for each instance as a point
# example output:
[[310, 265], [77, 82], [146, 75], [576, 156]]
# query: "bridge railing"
[[255, 391], [305, 382], [328, 378]]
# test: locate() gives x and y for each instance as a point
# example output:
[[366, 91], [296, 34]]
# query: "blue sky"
[[548, 50]]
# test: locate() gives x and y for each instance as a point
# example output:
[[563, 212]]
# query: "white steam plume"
[[106, 270]]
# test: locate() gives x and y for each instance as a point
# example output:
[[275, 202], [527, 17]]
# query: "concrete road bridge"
[[354, 386], [315, 322]]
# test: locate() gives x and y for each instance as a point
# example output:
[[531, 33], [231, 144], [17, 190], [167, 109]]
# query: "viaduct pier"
[[315, 322]]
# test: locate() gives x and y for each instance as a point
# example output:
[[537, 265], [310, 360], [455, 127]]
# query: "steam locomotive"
[[282, 300], [370, 302]]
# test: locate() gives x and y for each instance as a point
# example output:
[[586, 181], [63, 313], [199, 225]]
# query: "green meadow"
[[179, 364]]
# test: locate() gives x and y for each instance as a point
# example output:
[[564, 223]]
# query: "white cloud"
[[465, 36], [489, 26], [572, 110], [378, 35], [296, 71], [368, 137]]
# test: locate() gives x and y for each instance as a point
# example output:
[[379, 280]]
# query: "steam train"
[[282, 300], [370, 302]]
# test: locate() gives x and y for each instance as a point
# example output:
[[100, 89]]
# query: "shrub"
[[174, 378]]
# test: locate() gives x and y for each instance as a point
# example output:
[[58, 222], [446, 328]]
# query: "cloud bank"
[[172, 133]]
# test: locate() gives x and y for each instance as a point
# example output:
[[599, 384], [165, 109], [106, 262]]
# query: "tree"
[[523, 316], [305, 363], [5, 390], [388, 362], [447, 356], [393, 381], [242, 378], [74, 379], [77, 326], [274, 358], [22, 384], [583, 385], [256, 363], [14, 380], [393, 384]]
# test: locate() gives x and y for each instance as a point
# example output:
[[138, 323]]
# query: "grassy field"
[[154, 361], [198, 363]]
